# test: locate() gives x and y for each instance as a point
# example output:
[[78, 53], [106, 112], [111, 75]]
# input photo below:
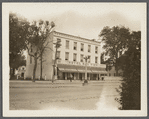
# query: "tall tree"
[[37, 41], [116, 40], [131, 64], [18, 27], [102, 58]]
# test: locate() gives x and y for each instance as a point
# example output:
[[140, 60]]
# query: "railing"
[[80, 63]]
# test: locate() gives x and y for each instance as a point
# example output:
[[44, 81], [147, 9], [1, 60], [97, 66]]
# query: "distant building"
[[71, 55], [112, 72], [20, 71]]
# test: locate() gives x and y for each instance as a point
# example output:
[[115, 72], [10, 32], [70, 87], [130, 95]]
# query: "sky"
[[83, 19]]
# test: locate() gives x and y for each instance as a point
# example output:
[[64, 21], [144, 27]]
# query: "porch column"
[[78, 76], [89, 76], [75, 76], [99, 76], [65, 76], [82, 76], [96, 76]]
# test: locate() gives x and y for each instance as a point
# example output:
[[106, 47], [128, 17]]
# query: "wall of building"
[[47, 63], [49, 54], [71, 51]]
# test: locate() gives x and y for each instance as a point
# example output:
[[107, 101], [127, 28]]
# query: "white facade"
[[78, 52], [49, 56]]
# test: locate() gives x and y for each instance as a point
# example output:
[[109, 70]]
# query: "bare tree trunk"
[[41, 67], [34, 71], [116, 72], [116, 68], [12, 72], [54, 66]]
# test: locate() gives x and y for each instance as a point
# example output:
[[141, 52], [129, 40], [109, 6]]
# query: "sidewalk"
[[58, 84], [64, 81]]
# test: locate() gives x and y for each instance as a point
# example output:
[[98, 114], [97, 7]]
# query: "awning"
[[66, 68], [104, 72], [70, 70], [61, 69], [81, 69], [98, 70], [95, 72]]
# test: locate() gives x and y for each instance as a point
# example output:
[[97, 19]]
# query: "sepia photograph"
[[74, 59]]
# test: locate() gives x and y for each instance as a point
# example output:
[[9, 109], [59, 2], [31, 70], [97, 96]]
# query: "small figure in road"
[[102, 78], [71, 77]]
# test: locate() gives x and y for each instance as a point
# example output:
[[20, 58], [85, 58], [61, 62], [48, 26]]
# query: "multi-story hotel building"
[[71, 53]]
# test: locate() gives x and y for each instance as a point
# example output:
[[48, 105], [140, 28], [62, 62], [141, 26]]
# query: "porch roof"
[[80, 69]]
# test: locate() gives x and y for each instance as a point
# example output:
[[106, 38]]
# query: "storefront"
[[78, 72]]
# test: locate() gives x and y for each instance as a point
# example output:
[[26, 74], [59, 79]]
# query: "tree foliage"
[[116, 40], [37, 42], [18, 29], [131, 64], [27, 36], [102, 58]]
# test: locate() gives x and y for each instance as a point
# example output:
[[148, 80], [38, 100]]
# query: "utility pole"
[[86, 58], [57, 45]]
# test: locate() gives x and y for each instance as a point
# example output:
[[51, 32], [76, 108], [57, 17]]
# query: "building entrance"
[[22, 75], [64, 74], [94, 76], [80, 76]]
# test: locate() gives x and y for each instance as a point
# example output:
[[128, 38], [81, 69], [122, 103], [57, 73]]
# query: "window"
[[96, 59], [82, 47], [89, 59], [58, 54], [81, 59], [74, 57], [58, 40], [75, 46], [96, 49], [67, 44], [30, 59], [89, 48], [67, 56]]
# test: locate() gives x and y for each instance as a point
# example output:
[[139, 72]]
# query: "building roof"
[[91, 40]]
